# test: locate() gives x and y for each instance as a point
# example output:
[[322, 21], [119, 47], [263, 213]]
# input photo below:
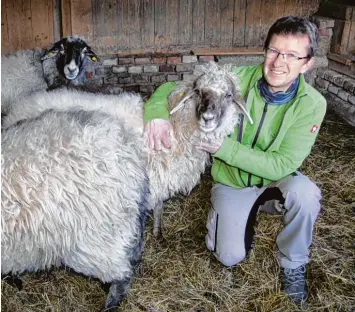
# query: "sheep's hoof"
[[117, 292], [158, 234], [13, 281]]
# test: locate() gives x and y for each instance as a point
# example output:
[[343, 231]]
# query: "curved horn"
[[237, 98]]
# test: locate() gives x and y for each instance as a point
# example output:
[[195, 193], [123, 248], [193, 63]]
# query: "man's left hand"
[[211, 148]]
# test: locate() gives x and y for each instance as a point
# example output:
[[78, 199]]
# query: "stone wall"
[[339, 90], [145, 73]]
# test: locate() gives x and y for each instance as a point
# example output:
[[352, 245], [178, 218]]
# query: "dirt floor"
[[179, 274]]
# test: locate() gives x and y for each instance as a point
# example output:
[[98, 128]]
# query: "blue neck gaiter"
[[280, 97]]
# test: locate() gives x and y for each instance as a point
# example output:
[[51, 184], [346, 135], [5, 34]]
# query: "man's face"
[[279, 72]]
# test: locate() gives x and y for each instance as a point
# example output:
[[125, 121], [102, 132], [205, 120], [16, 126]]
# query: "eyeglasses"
[[287, 57]]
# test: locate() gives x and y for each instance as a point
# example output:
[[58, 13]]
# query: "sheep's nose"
[[71, 66], [207, 116]]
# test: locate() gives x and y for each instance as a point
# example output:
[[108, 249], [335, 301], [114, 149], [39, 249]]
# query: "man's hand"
[[209, 147], [159, 131]]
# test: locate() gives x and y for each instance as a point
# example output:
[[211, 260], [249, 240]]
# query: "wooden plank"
[[252, 26], [66, 18], [336, 10], [212, 23], [105, 16], [226, 30], [160, 22], [122, 34], [232, 51], [239, 23], [42, 22], [351, 40], [82, 20], [345, 37], [198, 22], [342, 48], [289, 7], [340, 59], [5, 43], [19, 24], [148, 23], [57, 20], [172, 22], [300, 7], [134, 22], [185, 21], [348, 70], [275, 9]]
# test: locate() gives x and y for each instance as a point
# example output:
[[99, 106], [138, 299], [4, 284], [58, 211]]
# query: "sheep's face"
[[216, 98], [212, 107], [71, 52]]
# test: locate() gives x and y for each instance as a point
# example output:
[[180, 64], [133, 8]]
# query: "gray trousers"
[[233, 214]]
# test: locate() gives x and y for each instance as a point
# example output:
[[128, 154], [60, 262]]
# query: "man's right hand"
[[159, 131]]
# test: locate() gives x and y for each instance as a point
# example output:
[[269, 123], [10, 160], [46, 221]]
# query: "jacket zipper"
[[239, 139], [257, 135]]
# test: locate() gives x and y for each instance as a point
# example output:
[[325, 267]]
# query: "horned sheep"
[[207, 109]]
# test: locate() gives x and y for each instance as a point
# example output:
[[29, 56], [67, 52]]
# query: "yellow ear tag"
[[94, 59], [50, 53]]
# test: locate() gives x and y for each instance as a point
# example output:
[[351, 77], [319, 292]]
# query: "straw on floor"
[[179, 274]]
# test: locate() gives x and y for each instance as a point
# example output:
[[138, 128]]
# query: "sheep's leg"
[[119, 288], [13, 280], [117, 292], [157, 225]]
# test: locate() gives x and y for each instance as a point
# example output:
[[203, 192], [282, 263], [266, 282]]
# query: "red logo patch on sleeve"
[[314, 128]]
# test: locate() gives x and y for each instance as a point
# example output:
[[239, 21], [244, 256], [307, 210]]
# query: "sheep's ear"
[[237, 99], [91, 54], [55, 49], [50, 53]]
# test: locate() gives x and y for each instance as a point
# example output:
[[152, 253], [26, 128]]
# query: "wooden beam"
[[234, 51], [342, 59]]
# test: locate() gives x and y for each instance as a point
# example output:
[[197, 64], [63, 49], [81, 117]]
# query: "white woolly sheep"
[[74, 193], [69, 61], [206, 109]]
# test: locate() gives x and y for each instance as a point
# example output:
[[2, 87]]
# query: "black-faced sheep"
[[69, 61]]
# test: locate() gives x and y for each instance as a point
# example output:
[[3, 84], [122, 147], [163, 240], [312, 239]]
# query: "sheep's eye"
[[228, 95]]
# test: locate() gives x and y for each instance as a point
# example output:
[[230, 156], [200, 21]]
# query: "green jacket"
[[270, 149]]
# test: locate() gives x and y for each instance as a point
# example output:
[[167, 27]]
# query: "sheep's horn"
[[234, 82], [244, 111], [181, 104]]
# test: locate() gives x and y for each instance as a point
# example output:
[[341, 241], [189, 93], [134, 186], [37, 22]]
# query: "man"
[[255, 168]]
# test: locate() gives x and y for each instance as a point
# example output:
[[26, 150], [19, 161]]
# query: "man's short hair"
[[295, 25]]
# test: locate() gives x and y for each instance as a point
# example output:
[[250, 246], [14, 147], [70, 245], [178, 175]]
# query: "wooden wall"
[[113, 26], [26, 24]]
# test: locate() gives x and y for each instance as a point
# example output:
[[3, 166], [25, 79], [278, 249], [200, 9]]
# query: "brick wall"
[[145, 73], [339, 90]]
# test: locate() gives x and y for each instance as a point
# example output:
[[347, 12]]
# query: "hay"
[[179, 274]]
